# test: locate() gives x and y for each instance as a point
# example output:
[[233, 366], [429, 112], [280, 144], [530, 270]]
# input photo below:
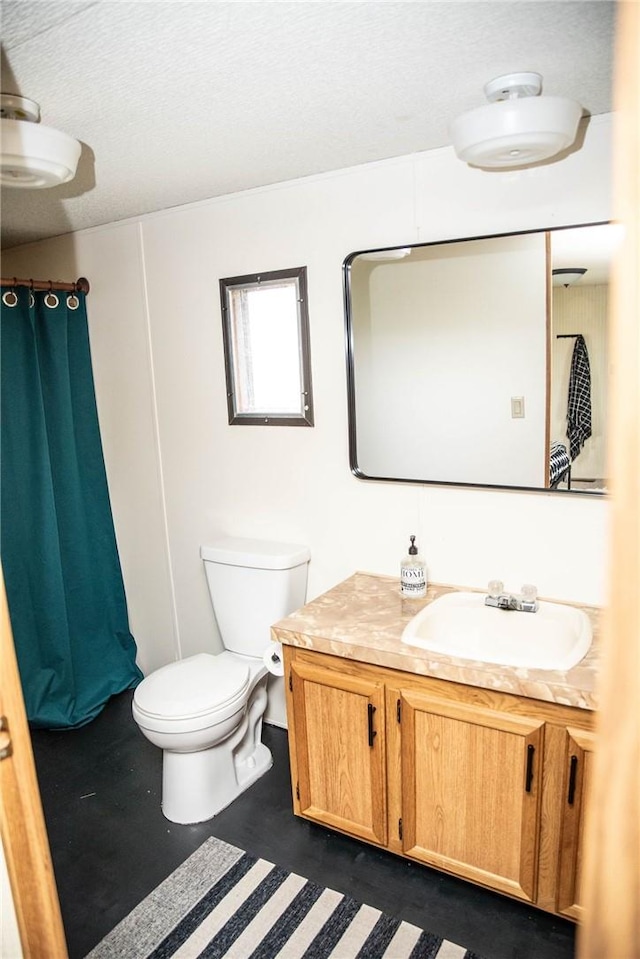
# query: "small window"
[[265, 323]]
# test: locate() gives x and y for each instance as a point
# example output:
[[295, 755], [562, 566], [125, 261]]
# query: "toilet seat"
[[196, 692]]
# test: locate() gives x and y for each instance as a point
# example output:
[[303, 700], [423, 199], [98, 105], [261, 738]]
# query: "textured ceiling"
[[179, 101]]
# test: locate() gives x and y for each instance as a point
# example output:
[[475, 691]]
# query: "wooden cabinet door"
[[338, 735], [471, 788], [577, 778]]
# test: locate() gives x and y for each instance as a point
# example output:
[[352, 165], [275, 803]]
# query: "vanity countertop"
[[363, 618]]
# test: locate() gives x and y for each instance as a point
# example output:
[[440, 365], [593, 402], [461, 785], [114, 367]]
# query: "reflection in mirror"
[[479, 362]]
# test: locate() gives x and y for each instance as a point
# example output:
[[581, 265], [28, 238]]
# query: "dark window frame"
[[237, 418]]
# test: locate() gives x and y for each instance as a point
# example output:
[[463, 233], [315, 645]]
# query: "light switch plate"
[[517, 407]]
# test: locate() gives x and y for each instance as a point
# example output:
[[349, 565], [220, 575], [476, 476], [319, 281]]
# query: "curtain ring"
[[31, 284], [9, 298], [51, 300]]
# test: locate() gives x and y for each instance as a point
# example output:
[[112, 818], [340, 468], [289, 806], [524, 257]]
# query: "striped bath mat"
[[223, 902]]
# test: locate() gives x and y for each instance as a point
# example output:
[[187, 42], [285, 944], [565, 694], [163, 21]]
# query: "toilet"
[[205, 712]]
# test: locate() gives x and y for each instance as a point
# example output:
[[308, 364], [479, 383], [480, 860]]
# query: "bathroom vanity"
[[476, 769]]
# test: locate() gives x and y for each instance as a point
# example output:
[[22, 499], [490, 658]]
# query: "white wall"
[[180, 475]]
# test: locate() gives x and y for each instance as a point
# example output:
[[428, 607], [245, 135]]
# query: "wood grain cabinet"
[[578, 760], [470, 790], [486, 785], [339, 749]]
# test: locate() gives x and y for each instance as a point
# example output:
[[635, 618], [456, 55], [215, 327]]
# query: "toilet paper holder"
[[273, 660]]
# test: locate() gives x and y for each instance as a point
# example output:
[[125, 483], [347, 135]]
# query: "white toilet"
[[206, 711]]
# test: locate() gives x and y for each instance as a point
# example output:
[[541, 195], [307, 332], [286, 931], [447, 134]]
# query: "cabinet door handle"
[[573, 775], [372, 733], [529, 774]]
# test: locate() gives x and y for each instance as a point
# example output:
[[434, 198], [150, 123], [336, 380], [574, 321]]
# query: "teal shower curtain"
[[59, 555]]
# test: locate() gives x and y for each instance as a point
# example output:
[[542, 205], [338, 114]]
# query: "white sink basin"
[[460, 625]]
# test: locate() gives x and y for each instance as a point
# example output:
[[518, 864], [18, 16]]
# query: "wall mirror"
[[465, 359]]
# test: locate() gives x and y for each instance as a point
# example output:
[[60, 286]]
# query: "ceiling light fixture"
[[517, 127], [567, 276], [33, 156]]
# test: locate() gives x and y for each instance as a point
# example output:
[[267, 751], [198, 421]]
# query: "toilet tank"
[[253, 583]]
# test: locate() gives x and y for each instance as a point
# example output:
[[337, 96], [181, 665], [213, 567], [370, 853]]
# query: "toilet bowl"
[[205, 712], [200, 711]]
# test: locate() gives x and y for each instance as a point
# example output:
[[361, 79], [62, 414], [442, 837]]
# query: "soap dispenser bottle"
[[413, 579]]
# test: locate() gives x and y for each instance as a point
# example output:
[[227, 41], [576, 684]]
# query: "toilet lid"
[[192, 687]]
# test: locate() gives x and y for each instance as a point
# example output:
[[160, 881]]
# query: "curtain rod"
[[81, 285], [566, 336]]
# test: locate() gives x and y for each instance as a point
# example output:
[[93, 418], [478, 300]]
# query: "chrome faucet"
[[524, 602]]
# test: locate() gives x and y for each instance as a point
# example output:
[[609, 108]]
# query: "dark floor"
[[111, 846]]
